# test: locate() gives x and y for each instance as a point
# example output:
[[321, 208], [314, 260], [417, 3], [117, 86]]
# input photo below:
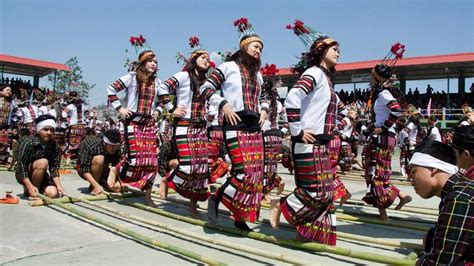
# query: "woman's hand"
[[179, 111], [263, 117], [230, 115], [125, 112]]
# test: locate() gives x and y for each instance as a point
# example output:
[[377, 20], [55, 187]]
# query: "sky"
[[98, 31]]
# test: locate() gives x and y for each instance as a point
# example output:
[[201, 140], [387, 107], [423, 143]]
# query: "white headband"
[[107, 141], [425, 160], [45, 123]]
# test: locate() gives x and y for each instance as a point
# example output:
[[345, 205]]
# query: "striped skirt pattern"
[[272, 146], [334, 147], [4, 146], [346, 158], [141, 165], [310, 206], [191, 177], [380, 193], [218, 167], [242, 192]]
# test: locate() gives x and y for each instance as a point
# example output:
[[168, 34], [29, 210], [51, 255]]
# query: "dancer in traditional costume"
[[385, 110], [76, 129], [244, 113], [311, 105], [138, 170], [346, 128], [468, 116], [434, 132], [27, 112], [191, 177], [340, 190], [7, 104], [272, 135]]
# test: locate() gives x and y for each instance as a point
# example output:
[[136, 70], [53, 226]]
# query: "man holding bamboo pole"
[[37, 156], [434, 173], [97, 159]]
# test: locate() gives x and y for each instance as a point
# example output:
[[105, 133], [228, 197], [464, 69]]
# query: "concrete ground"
[[49, 235]]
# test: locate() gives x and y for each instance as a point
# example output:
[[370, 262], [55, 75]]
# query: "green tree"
[[66, 81]]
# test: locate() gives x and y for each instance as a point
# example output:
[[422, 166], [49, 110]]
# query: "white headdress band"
[[425, 160], [107, 141], [45, 123]]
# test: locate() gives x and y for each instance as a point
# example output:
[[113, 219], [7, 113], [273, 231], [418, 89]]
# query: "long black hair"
[[242, 58], [314, 57]]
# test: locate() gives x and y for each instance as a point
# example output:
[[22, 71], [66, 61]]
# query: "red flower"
[[193, 41]]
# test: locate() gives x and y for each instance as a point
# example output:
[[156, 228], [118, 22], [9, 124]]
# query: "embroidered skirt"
[[272, 146], [334, 147], [191, 178], [242, 192], [380, 193], [215, 144], [4, 146], [346, 157], [310, 206], [141, 163]]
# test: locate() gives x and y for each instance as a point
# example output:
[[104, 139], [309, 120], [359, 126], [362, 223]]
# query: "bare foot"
[[344, 198], [383, 214], [403, 200], [281, 188], [193, 210], [267, 199], [150, 203], [163, 190], [275, 212]]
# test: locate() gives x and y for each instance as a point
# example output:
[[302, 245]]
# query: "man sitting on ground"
[[434, 173], [97, 159], [36, 156]]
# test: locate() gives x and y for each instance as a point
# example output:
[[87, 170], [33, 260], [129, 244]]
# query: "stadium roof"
[[412, 68], [28, 67]]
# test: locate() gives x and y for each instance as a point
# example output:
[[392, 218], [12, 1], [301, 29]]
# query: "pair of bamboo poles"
[[284, 242]]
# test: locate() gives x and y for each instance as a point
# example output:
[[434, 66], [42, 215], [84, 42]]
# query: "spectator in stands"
[[416, 94], [429, 90]]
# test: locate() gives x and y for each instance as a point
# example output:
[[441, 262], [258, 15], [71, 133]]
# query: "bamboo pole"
[[258, 252], [409, 209], [365, 239], [41, 202], [312, 246], [373, 215], [346, 217], [398, 224], [341, 234], [412, 256], [133, 234]]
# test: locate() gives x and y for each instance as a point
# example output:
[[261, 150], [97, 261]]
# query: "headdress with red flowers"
[[245, 29], [384, 70], [306, 34], [139, 44]]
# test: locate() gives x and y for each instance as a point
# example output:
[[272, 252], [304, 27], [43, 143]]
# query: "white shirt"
[[229, 80], [313, 105], [129, 84]]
